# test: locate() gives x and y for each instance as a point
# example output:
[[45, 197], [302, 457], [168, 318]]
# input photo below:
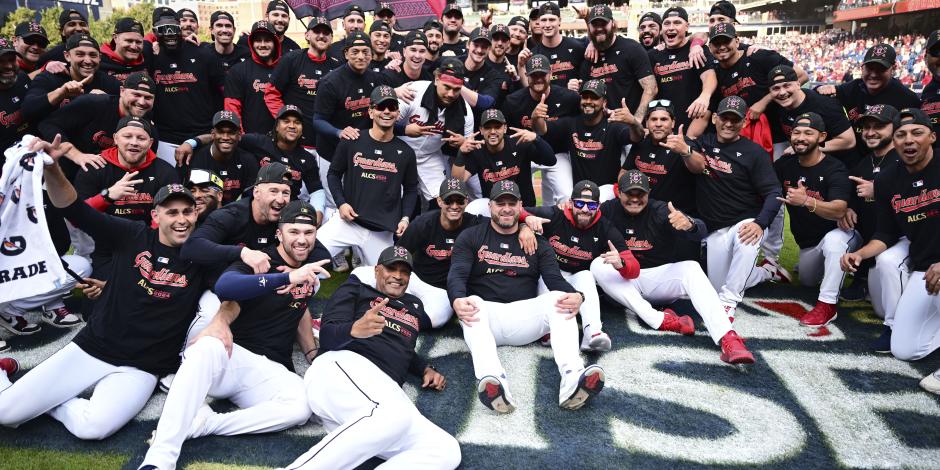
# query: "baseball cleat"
[[857, 292], [340, 265], [679, 324], [18, 325], [777, 273], [9, 365], [4, 346], [821, 315], [166, 382], [931, 383], [315, 324], [61, 318], [883, 343], [546, 341], [590, 383], [733, 350], [599, 342], [494, 395]]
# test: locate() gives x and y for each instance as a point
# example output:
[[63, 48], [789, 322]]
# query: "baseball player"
[[71, 22], [816, 191], [246, 82], [207, 188], [234, 165], [380, 36], [651, 229], [138, 325], [368, 339], [354, 21], [244, 355], [125, 53], [277, 13], [412, 65], [374, 183], [223, 45], [452, 22], [907, 199], [649, 29], [493, 287], [579, 235], [930, 96], [736, 194], [565, 53]]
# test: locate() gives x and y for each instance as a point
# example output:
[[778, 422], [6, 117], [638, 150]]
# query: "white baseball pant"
[[120, 392], [557, 181], [271, 398], [369, 415], [606, 192], [52, 299], [474, 187], [436, 303], [82, 243], [167, 152], [432, 171], [323, 166], [773, 237], [916, 329], [664, 285], [337, 235], [518, 324], [731, 267], [479, 207], [821, 264], [590, 312], [888, 278]]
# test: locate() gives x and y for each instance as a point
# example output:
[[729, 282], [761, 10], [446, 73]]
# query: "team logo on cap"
[[490, 114], [175, 188], [733, 102], [386, 91], [226, 115], [505, 185], [635, 177], [400, 252], [536, 62], [33, 27], [598, 10], [593, 84], [291, 107], [879, 51], [453, 183], [721, 28]]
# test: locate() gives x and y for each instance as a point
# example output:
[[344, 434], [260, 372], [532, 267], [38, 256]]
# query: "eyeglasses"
[[660, 104], [387, 106], [455, 200], [168, 29], [579, 204]]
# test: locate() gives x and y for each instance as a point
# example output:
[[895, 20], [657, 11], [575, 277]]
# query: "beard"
[[810, 148]]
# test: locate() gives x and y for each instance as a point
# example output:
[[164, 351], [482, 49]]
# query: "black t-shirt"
[[142, 317], [561, 102], [648, 235], [430, 245], [238, 172], [869, 168], [677, 79], [396, 79], [378, 66], [670, 179], [747, 78], [459, 48], [512, 162], [137, 206], [485, 80], [393, 350], [495, 267], [304, 169], [55, 53], [621, 66], [189, 91], [13, 125], [930, 104], [296, 78], [239, 54], [336, 51], [854, 97], [87, 122], [343, 99], [909, 205], [36, 104], [244, 89], [267, 324], [112, 64], [595, 150], [833, 115], [378, 179], [825, 181], [221, 237], [738, 177], [566, 59], [575, 248]]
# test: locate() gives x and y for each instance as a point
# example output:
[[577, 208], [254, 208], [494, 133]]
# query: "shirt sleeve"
[[638, 60], [103, 228], [205, 246], [840, 188], [540, 152], [339, 316], [334, 176], [461, 264]]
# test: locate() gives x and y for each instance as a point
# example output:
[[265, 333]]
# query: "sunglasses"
[[579, 204], [36, 41], [455, 200], [660, 103], [387, 106], [168, 29]]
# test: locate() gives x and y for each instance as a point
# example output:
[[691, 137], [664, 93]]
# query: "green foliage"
[[50, 22], [101, 30], [18, 16]]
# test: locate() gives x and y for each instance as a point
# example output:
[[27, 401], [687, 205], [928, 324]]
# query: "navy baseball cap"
[[883, 54], [80, 40], [140, 81], [290, 109], [356, 39], [492, 114], [70, 14], [415, 38], [538, 63], [724, 8], [319, 21], [128, 25]]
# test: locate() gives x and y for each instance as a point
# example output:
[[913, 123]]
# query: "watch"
[[581, 294], [104, 194]]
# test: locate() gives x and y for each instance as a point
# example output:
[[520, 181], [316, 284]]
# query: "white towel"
[[29, 264]]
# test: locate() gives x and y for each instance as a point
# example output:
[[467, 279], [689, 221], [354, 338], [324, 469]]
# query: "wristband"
[[192, 143]]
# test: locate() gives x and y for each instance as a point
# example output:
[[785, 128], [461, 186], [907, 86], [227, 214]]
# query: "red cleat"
[[9, 365], [821, 315], [672, 322], [733, 350]]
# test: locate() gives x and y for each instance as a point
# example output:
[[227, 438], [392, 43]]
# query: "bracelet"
[[192, 143], [815, 204], [310, 351]]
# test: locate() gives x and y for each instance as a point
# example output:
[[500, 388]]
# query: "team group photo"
[[338, 234]]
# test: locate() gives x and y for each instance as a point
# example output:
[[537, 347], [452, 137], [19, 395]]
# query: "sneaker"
[[778, 273], [9, 365], [679, 324], [883, 343], [356, 261], [599, 342], [494, 395], [733, 350], [730, 310], [857, 292], [546, 341], [4, 346], [60, 318], [931, 383], [166, 382], [18, 325], [339, 263], [821, 315], [590, 383]]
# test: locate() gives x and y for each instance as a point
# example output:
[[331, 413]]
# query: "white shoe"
[[166, 382], [61, 318], [599, 342], [577, 389], [339, 263], [18, 325], [356, 261], [494, 395], [4, 346], [931, 383]]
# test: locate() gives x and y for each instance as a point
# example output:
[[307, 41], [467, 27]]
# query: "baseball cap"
[[140, 81], [550, 8], [79, 40], [274, 172], [415, 38], [395, 254], [724, 8], [354, 10], [70, 14], [384, 7], [134, 121], [676, 12], [811, 120], [634, 179], [600, 12], [586, 185], [534, 14], [451, 186], [381, 94], [29, 29], [661, 105], [733, 104], [882, 113], [651, 16], [128, 25], [781, 74], [261, 26], [164, 13], [198, 176], [913, 116], [504, 188], [277, 5], [882, 54], [492, 114], [355, 39], [173, 191], [319, 21], [596, 86], [719, 30], [480, 34], [290, 109], [451, 7], [519, 21], [538, 64], [6, 47], [219, 14], [500, 29], [380, 26], [186, 12], [433, 24], [298, 212], [451, 67], [226, 117], [932, 41]]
